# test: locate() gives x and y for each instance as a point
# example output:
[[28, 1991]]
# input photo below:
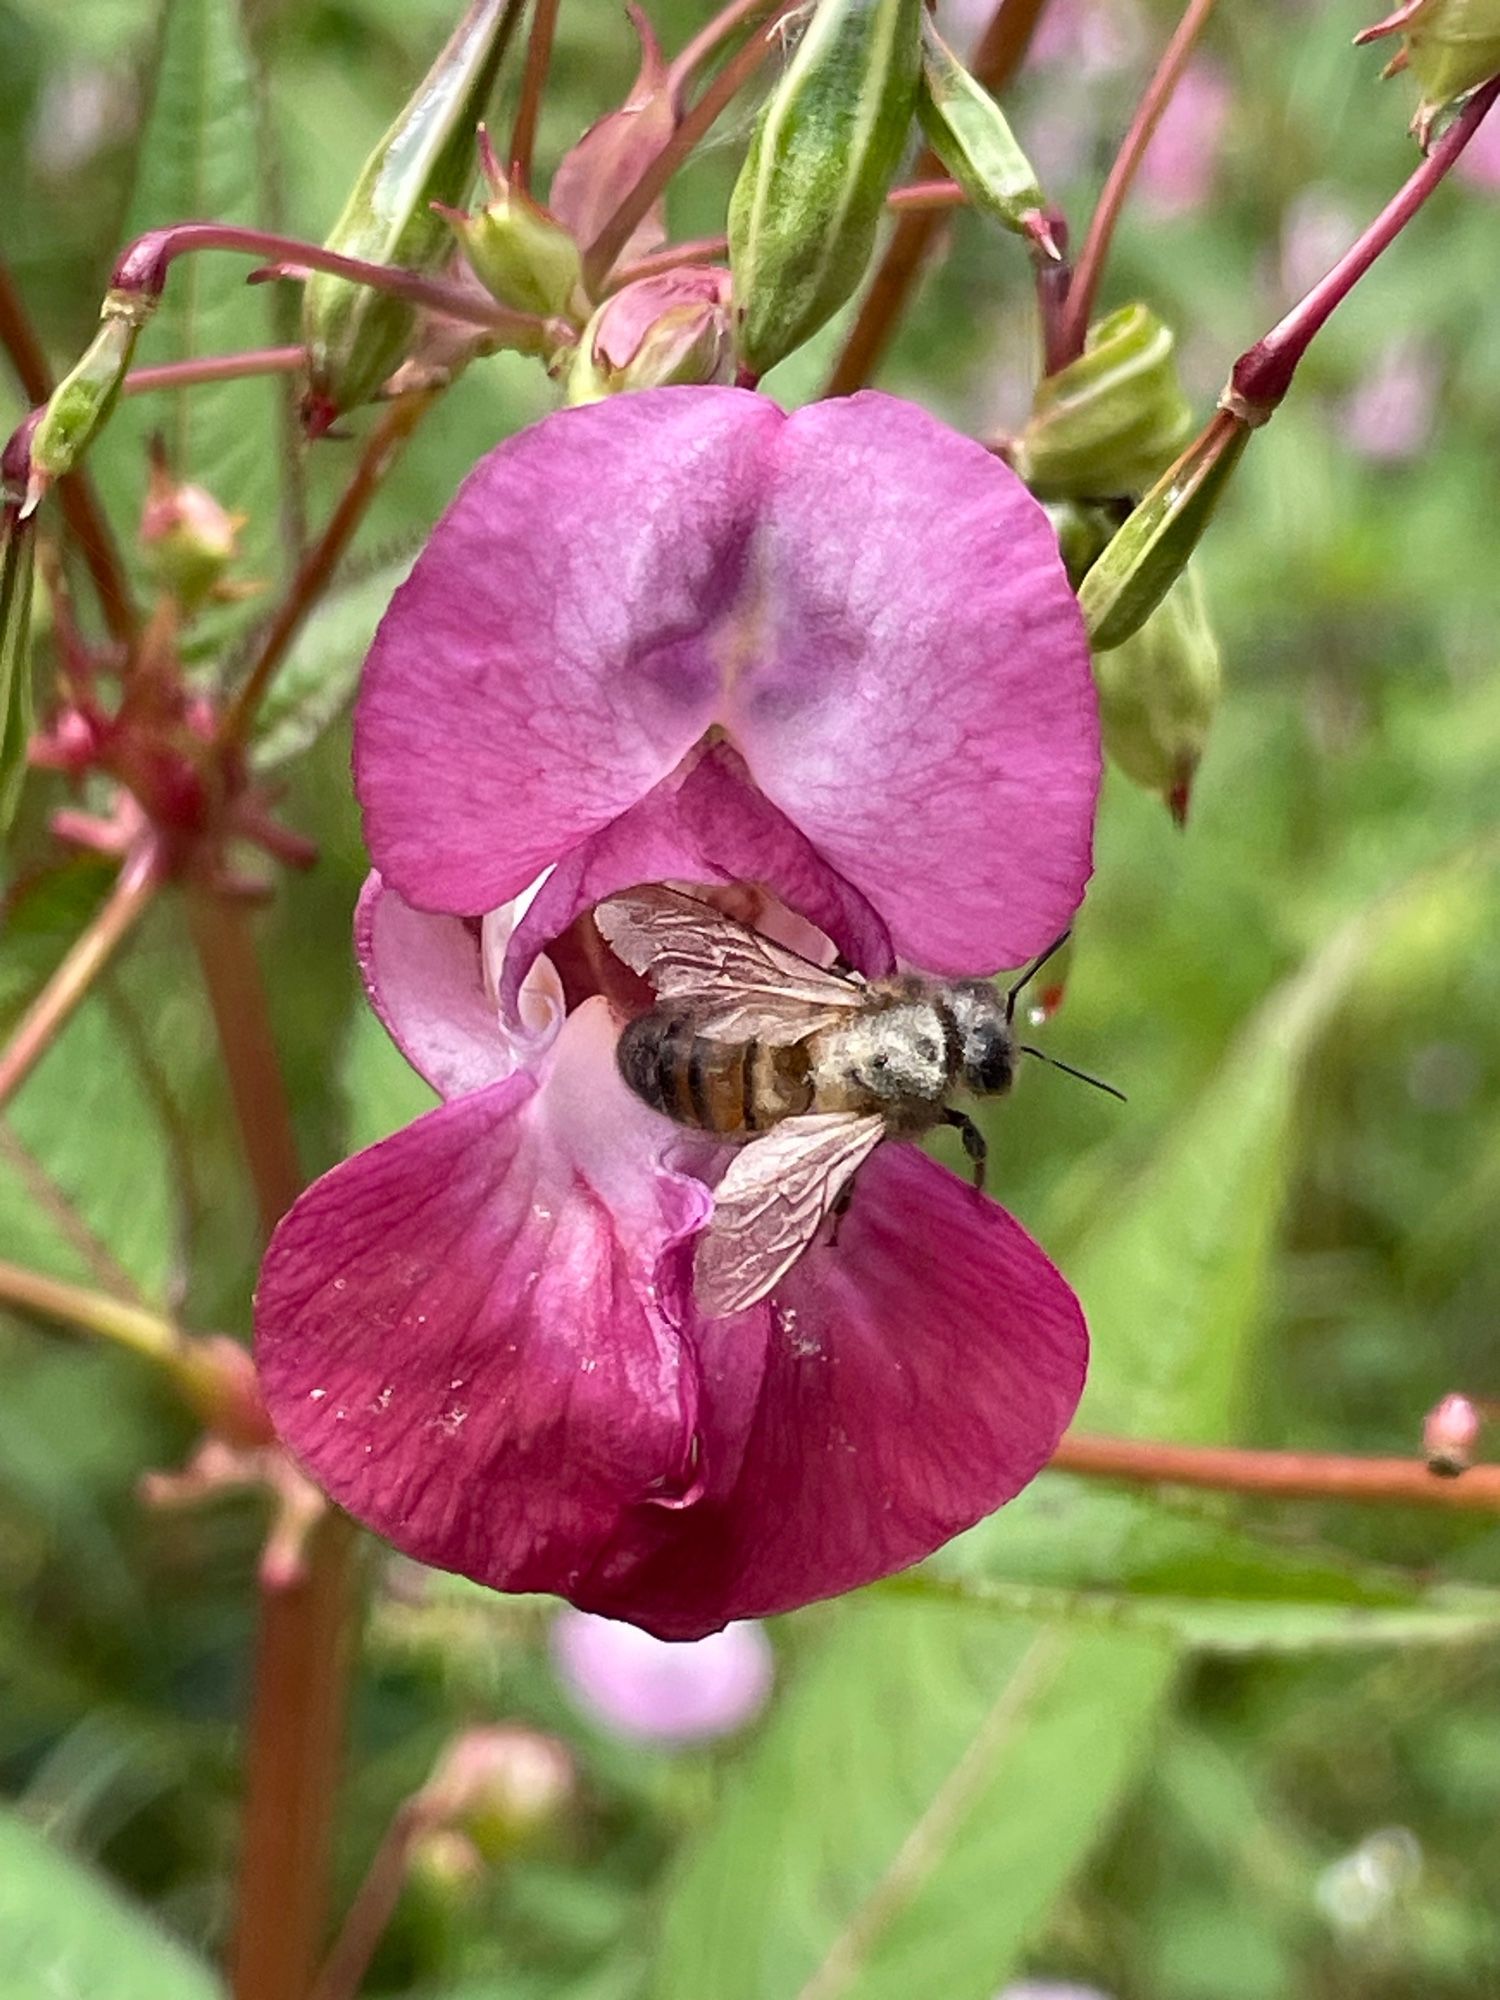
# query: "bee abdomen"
[[708, 1084]]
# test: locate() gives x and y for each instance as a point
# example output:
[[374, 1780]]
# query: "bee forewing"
[[742, 986], [772, 1199]]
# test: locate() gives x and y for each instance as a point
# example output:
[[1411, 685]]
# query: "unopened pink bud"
[[500, 1786], [187, 538], [1449, 1436], [671, 329]]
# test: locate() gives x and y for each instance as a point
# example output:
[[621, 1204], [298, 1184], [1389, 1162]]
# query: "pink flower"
[[647, 1688], [1391, 413], [1181, 164], [1479, 162], [680, 636]]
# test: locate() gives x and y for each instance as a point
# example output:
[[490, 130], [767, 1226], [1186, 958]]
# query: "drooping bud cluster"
[[804, 211]]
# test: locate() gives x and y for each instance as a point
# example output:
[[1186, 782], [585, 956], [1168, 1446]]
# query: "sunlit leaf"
[[322, 673]]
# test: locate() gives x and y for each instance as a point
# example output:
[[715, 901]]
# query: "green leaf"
[[931, 1780], [200, 156], [320, 677], [68, 1935]]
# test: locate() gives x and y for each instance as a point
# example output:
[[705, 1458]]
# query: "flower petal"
[[872, 607], [921, 702], [544, 664], [896, 1389], [706, 823], [457, 1331]]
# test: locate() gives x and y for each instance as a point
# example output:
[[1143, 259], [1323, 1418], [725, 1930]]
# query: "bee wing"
[[742, 986], [768, 1206]]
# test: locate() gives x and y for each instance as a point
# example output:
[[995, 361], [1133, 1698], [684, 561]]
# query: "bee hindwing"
[[774, 1195], [741, 986]]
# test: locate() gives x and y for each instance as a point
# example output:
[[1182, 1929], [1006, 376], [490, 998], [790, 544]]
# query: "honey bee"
[[812, 1065]]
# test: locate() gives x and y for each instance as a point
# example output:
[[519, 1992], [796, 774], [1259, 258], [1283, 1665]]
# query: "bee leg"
[[838, 1211], [974, 1143]]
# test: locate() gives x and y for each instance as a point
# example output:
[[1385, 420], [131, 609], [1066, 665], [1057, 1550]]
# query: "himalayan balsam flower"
[[680, 636], [639, 1686]]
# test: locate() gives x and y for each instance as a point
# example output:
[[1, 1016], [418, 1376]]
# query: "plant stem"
[[995, 60], [142, 271], [919, 197], [381, 451], [1262, 376], [145, 1333], [213, 368], [1283, 1475], [533, 82], [371, 1911], [706, 44], [133, 889], [1148, 113], [303, 1647], [81, 506], [731, 79]]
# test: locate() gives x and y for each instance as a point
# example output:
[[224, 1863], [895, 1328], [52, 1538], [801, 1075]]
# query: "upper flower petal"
[[897, 1388], [871, 607], [457, 1333]]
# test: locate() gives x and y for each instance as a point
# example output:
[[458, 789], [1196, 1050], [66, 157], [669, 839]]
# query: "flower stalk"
[[1278, 1475]]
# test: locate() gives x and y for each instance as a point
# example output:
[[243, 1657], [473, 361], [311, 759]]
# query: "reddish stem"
[[995, 60], [213, 368], [142, 270], [82, 509], [371, 1911], [322, 559], [1262, 376], [706, 44], [134, 887], [533, 82], [731, 79], [303, 1646], [1074, 324], [1282, 1475]]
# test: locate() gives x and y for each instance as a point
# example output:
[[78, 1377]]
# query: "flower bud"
[[80, 404], [1450, 47], [670, 329], [513, 246], [1157, 695], [809, 198], [355, 336], [1111, 420], [188, 540], [970, 135], [593, 177], [445, 1867], [1149, 553], [502, 1786], [1449, 1436]]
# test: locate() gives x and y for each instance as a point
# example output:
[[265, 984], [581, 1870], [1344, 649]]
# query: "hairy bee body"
[[898, 1057]]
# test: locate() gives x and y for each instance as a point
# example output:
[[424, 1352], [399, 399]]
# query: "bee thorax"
[[898, 1061]]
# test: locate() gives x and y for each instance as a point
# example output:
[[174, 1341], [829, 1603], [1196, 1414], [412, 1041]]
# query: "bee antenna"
[[1082, 1074], [1031, 972]]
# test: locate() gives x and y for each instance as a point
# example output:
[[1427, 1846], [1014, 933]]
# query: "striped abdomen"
[[733, 1088]]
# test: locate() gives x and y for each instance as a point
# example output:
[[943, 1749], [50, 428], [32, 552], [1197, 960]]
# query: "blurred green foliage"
[[1287, 1237]]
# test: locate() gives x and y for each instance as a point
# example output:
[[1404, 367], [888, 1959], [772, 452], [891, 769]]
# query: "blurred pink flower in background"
[[1390, 414], [1316, 230], [658, 1690], [1479, 162], [1181, 164]]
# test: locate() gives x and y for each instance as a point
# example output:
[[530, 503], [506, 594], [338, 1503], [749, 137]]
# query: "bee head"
[[987, 1045]]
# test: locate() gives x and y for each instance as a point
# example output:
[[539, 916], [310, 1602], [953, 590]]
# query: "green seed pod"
[[1083, 533], [1450, 47], [1110, 421], [17, 549], [968, 131], [805, 209], [355, 336], [80, 404], [1150, 552], [1158, 693], [518, 252]]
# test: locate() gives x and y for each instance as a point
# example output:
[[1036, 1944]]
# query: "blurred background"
[[1226, 1819]]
